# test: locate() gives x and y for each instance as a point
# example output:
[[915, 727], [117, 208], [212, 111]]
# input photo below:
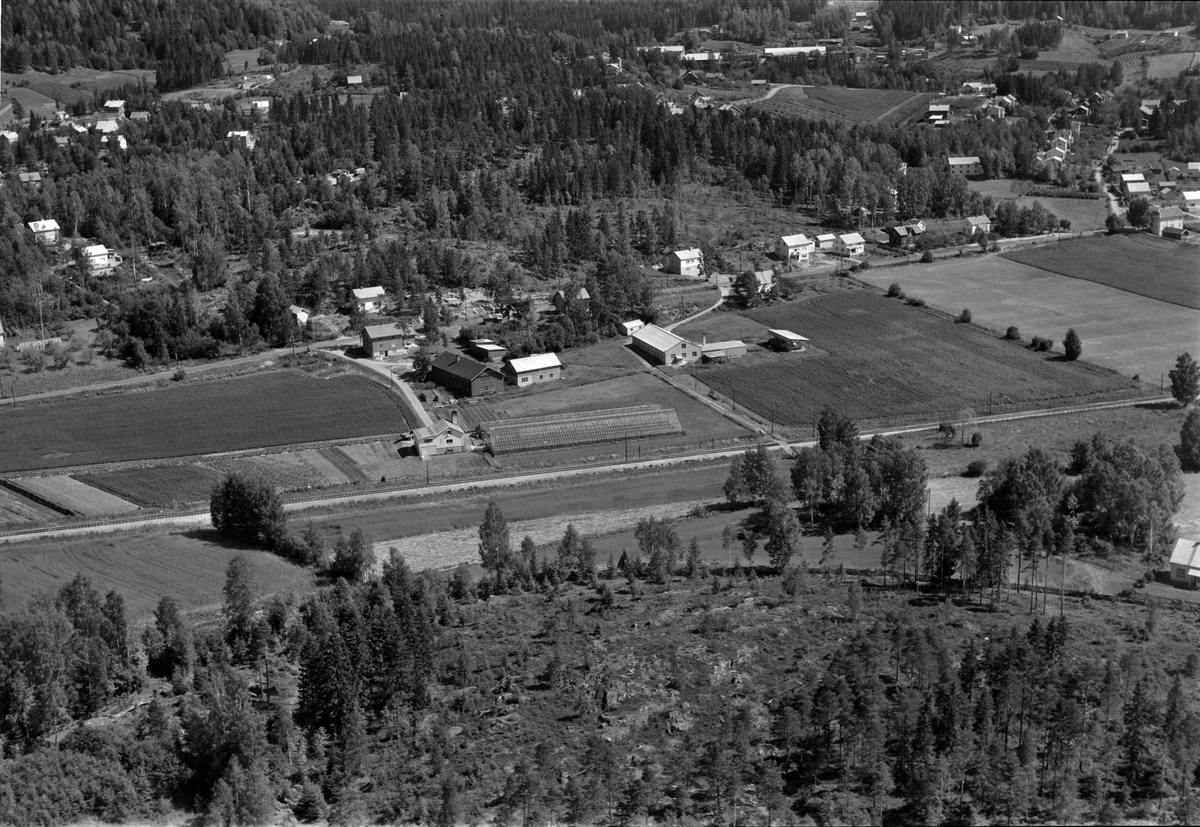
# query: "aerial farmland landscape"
[[476, 412]]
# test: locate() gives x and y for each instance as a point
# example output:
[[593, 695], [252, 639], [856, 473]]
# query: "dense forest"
[[563, 688], [911, 19]]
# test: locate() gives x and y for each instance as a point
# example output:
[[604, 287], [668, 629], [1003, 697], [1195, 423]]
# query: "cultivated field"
[[875, 358], [851, 105], [1140, 264], [77, 497], [187, 566], [1122, 331], [1083, 213], [198, 418], [43, 93], [157, 486], [1169, 66]]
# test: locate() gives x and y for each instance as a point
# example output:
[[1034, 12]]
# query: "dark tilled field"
[[256, 411], [875, 358]]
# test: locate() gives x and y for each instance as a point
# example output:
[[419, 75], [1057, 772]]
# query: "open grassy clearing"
[[17, 511], [75, 496], [876, 359], [210, 417], [850, 105], [1140, 264], [187, 566], [158, 486], [1083, 213], [1169, 66], [1128, 333]]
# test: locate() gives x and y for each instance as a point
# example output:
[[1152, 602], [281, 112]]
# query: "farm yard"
[[1122, 331], [878, 359], [157, 486], [282, 407], [77, 497], [1083, 213], [1141, 264], [842, 104]]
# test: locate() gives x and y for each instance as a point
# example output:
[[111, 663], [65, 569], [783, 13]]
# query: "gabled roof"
[[106, 126], [383, 331], [852, 238], [826, 237], [1138, 186], [1127, 177], [1191, 195], [964, 160], [691, 253], [1187, 553], [540, 361], [458, 365], [1170, 212], [657, 338], [732, 344], [43, 226], [367, 293], [978, 220], [789, 335], [898, 230], [95, 250], [436, 429], [796, 240]]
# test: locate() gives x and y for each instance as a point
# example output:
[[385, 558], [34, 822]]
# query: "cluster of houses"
[[1172, 189], [798, 247], [95, 258], [664, 347], [485, 369]]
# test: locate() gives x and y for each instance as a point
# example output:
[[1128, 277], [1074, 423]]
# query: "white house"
[[1185, 563], [354, 80], [796, 247], [369, 299], [631, 327], [826, 241], [849, 245], [299, 314], [243, 137], [45, 231], [1190, 199], [1162, 218], [684, 262], [530, 370], [115, 108], [9, 136], [99, 260], [966, 165], [106, 127], [1136, 188], [978, 224]]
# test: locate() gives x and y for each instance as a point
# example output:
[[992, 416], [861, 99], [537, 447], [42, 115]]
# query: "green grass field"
[[850, 105], [1083, 213], [1139, 264], [879, 359], [256, 411]]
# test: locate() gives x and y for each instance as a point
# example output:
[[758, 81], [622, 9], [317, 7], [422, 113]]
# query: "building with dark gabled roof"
[[464, 376]]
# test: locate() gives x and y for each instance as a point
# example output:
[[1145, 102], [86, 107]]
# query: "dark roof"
[[458, 365]]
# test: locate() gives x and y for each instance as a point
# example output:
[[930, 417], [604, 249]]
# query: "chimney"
[[704, 340], [454, 416]]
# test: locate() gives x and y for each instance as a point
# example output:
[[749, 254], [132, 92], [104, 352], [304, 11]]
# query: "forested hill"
[[184, 40]]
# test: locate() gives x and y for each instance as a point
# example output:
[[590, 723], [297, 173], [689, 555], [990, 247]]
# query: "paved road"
[[200, 516]]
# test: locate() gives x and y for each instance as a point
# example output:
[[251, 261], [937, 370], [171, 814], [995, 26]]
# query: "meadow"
[[1083, 213], [1139, 264], [258, 411], [1128, 333], [850, 105], [875, 358]]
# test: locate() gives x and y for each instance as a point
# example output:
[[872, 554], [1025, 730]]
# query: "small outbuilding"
[[465, 376], [383, 340], [299, 314], [826, 241], [631, 327], [720, 351], [486, 351], [785, 340], [531, 370]]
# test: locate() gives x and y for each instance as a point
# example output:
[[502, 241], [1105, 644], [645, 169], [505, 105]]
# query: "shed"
[[664, 346], [826, 241], [530, 370], [898, 235], [786, 340], [465, 376], [1185, 563], [715, 351], [631, 327], [383, 340], [299, 314], [1176, 233]]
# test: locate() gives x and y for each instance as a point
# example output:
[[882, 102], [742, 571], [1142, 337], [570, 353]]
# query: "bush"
[[964, 317], [927, 257], [1040, 344], [976, 439], [180, 375], [1072, 346], [976, 468], [1013, 333], [1030, 52], [864, 265], [916, 302], [894, 291]]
